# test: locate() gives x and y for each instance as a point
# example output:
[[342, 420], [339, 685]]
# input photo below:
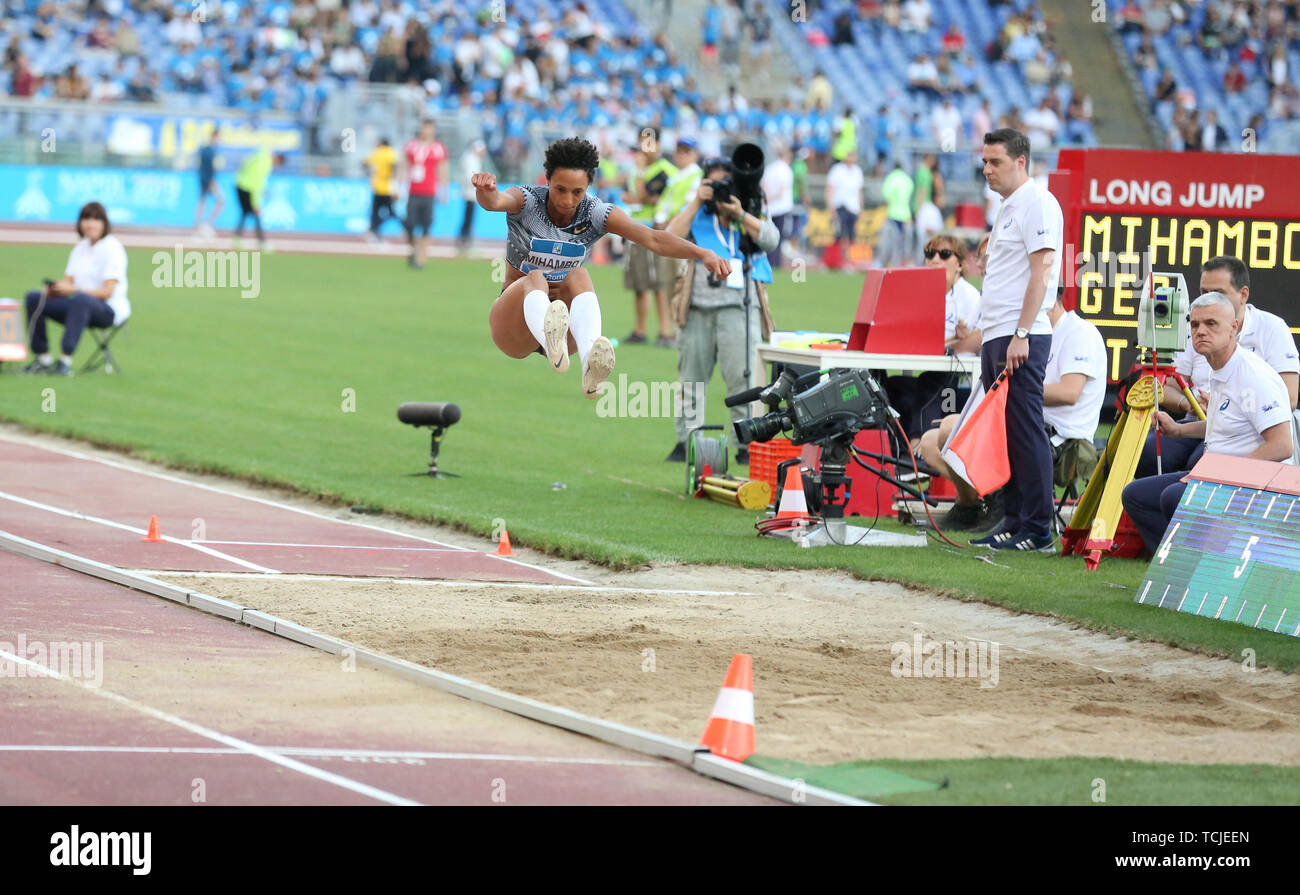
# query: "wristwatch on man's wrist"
[[1022, 333]]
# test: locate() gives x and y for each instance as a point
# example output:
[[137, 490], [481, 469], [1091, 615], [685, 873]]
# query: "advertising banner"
[[141, 197]]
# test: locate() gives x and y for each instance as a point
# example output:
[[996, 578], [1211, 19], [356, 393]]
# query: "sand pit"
[[826, 649]]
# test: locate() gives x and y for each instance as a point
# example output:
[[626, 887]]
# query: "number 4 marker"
[[1163, 552]]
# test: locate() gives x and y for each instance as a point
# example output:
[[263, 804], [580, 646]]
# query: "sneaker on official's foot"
[[997, 536], [634, 339], [600, 363], [61, 368], [1027, 543], [39, 366], [678, 455], [962, 517], [665, 342], [555, 325]]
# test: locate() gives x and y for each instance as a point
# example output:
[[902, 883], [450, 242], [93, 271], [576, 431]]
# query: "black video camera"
[[847, 402]]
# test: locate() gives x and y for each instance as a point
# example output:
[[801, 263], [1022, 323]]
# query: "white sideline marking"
[[309, 752], [440, 582], [281, 506], [233, 742], [131, 528]]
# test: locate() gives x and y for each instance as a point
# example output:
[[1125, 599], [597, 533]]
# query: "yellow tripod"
[[1096, 518]]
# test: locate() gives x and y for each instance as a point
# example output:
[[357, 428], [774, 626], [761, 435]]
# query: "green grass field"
[[300, 385], [1055, 781]]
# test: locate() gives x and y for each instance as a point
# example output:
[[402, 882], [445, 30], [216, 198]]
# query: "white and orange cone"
[[793, 503], [503, 544], [730, 731]]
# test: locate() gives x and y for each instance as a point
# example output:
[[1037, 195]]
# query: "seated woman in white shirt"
[[922, 399], [91, 293]]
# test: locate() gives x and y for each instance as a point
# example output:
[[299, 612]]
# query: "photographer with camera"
[[1248, 414], [720, 320], [1262, 333]]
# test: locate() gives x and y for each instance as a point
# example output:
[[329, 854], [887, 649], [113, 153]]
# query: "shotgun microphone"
[[437, 416], [426, 413]]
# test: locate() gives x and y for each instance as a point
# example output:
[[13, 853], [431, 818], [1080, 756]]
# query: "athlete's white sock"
[[584, 322], [535, 305]]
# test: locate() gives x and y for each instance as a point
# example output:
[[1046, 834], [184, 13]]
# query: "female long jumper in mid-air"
[[548, 305]]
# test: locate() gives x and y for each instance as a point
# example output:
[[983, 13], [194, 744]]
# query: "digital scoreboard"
[[1182, 209], [1231, 551]]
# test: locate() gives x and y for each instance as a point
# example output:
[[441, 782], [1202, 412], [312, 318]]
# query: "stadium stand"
[[1238, 60], [875, 54]]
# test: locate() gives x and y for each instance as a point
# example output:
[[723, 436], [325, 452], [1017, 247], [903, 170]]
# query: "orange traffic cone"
[[730, 731], [503, 545], [793, 503], [154, 536]]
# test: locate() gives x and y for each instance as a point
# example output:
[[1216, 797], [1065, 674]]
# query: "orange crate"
[[764, 457]]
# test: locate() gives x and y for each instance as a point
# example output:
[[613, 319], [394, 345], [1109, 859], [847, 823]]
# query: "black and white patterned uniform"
[[534, 242]]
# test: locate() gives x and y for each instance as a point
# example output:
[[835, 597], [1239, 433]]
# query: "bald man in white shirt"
[[1249, 415], [1266, 335]]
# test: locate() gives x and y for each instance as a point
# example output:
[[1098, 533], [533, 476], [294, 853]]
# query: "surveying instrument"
[[1163, 322]]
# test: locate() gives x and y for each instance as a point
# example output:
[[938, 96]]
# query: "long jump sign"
[[1184, 208]]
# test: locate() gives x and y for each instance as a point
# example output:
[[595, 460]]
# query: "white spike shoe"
[[600, 363], [556, 327]]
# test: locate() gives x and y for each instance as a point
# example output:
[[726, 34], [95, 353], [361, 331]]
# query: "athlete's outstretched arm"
[[485, 190], [661, 242]]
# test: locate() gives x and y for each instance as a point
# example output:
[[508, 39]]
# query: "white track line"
[[329, 546], [309, 752], [528, 565], [131, 528], [437, 582], [232, 742], [274, 503]]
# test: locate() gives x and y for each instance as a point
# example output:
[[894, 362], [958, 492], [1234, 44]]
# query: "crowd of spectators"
[[569, 71], [1242, 43]]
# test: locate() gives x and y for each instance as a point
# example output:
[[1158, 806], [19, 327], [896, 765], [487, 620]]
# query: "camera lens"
[[763, 428], [1161, 310]]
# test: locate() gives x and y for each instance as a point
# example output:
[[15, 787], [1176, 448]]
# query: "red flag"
[[978, 449]]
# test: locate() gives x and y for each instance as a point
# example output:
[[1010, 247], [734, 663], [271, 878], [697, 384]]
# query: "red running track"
[[100, 509], [169, 705]]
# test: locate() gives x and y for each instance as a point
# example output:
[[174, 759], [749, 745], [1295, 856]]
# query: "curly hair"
[[572, 152]]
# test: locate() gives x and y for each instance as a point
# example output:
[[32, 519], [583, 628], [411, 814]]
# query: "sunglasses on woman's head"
[[945, 254]]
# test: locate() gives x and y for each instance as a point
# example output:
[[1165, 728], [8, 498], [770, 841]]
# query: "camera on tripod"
[[845, 404], [830, 414], [1164, 314]]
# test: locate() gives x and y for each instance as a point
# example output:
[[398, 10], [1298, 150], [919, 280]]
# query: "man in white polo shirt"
[[1249, 414], [1020, 279], [1074, 390], [1265, 334]]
